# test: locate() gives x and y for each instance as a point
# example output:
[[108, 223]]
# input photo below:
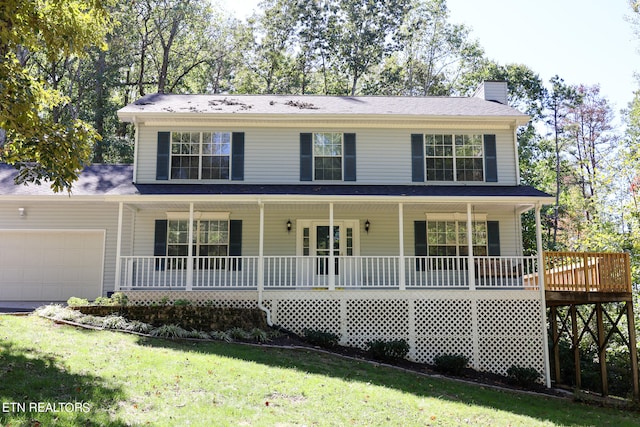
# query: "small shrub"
[[164, 301], [321, 338], [452, 364], [220, 336], [77, 302], [170, 331], [259, 335], [113, 321], [92, 321], [239, 334], [138, 326], [182, 303], [67, 314], [48, 310], [119, 298], [102, 301], [524, 377], [388, 350]]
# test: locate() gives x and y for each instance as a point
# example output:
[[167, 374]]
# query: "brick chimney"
[[492, 90]]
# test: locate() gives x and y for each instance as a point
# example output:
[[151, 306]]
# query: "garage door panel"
[[50, 264]]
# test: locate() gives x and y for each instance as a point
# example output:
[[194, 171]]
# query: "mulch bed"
[[288, 339]]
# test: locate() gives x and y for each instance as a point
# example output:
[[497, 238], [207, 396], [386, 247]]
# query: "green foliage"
[[259, 335], [239, 334], [388, 350], [524, 377], [115, 321], [321, 338], [118, 298], [220, 336], [170, 331], [77, 302], [181, 303], [452, 364], [43, 144], [137, 326]]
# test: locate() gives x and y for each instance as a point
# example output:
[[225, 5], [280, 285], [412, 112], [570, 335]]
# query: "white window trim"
[[197, 215], [453, 156], [341, 156], [455, 216], [201, 153]]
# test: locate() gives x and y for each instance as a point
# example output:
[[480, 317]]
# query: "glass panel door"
[[323, 248]]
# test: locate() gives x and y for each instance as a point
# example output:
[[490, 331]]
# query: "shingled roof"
[[116, 180], [314, 105]]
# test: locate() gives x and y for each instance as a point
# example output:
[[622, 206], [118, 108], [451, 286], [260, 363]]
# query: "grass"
[[131, 380]]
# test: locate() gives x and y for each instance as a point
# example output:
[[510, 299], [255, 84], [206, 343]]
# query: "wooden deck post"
[[602, 350], [555, 341], [633, 354], [575, 343]]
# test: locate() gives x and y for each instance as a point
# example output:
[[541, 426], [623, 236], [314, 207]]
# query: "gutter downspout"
[[261, 266]]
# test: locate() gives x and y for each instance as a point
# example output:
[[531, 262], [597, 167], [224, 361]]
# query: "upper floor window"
[[327, 156], [200, 155], [454, 157]]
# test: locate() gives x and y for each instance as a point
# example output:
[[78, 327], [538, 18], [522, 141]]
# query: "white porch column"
[[471, 271], [261, 250], [332, 259], [543, 302], [116, 286], [190, 251], [401, 267]]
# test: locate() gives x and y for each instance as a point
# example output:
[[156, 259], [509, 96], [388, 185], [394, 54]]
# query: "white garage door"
[[50, 265]]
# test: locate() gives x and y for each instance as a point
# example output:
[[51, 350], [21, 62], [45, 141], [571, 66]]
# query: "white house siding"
[[383, 156], [381, 240], [68, 214]]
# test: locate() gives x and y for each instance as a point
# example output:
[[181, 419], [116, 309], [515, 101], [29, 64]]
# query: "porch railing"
[[587, 272], [306, 272]]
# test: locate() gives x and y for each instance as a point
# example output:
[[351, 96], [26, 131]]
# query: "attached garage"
[[51, 265]]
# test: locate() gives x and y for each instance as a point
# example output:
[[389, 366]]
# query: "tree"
[[588, 126], [41, 144], [557, 102]]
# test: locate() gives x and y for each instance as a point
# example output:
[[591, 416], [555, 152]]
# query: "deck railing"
[[307, 272], [587, 272]]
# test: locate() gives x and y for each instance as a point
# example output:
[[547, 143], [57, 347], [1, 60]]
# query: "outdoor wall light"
[[366, 226], [22, 212], [289, 226]]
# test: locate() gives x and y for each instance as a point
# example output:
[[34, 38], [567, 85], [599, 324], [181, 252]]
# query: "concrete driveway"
[[23, 306]]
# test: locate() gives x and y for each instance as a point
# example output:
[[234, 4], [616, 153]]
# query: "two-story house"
[[370, 217]]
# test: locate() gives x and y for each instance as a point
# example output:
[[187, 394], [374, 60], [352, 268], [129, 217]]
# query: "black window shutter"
[[349, 156], [235, 243], [417, 157], [420, 243], [306, 157], [490, 159], [162, 160], [493, 238], [160, 242], [237, 156]]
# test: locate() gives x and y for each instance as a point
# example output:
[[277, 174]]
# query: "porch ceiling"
[[322, 207]]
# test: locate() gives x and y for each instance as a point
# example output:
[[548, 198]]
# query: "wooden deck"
[[586, 277]]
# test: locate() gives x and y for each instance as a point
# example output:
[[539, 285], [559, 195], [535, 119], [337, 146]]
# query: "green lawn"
[[128, 380]]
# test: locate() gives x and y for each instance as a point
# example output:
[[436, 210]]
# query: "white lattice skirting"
[[494, 329]]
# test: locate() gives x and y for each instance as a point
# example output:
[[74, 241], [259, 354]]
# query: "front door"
[[315, 247]]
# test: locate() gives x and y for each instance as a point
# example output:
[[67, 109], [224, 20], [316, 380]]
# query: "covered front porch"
[[303, 243]]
